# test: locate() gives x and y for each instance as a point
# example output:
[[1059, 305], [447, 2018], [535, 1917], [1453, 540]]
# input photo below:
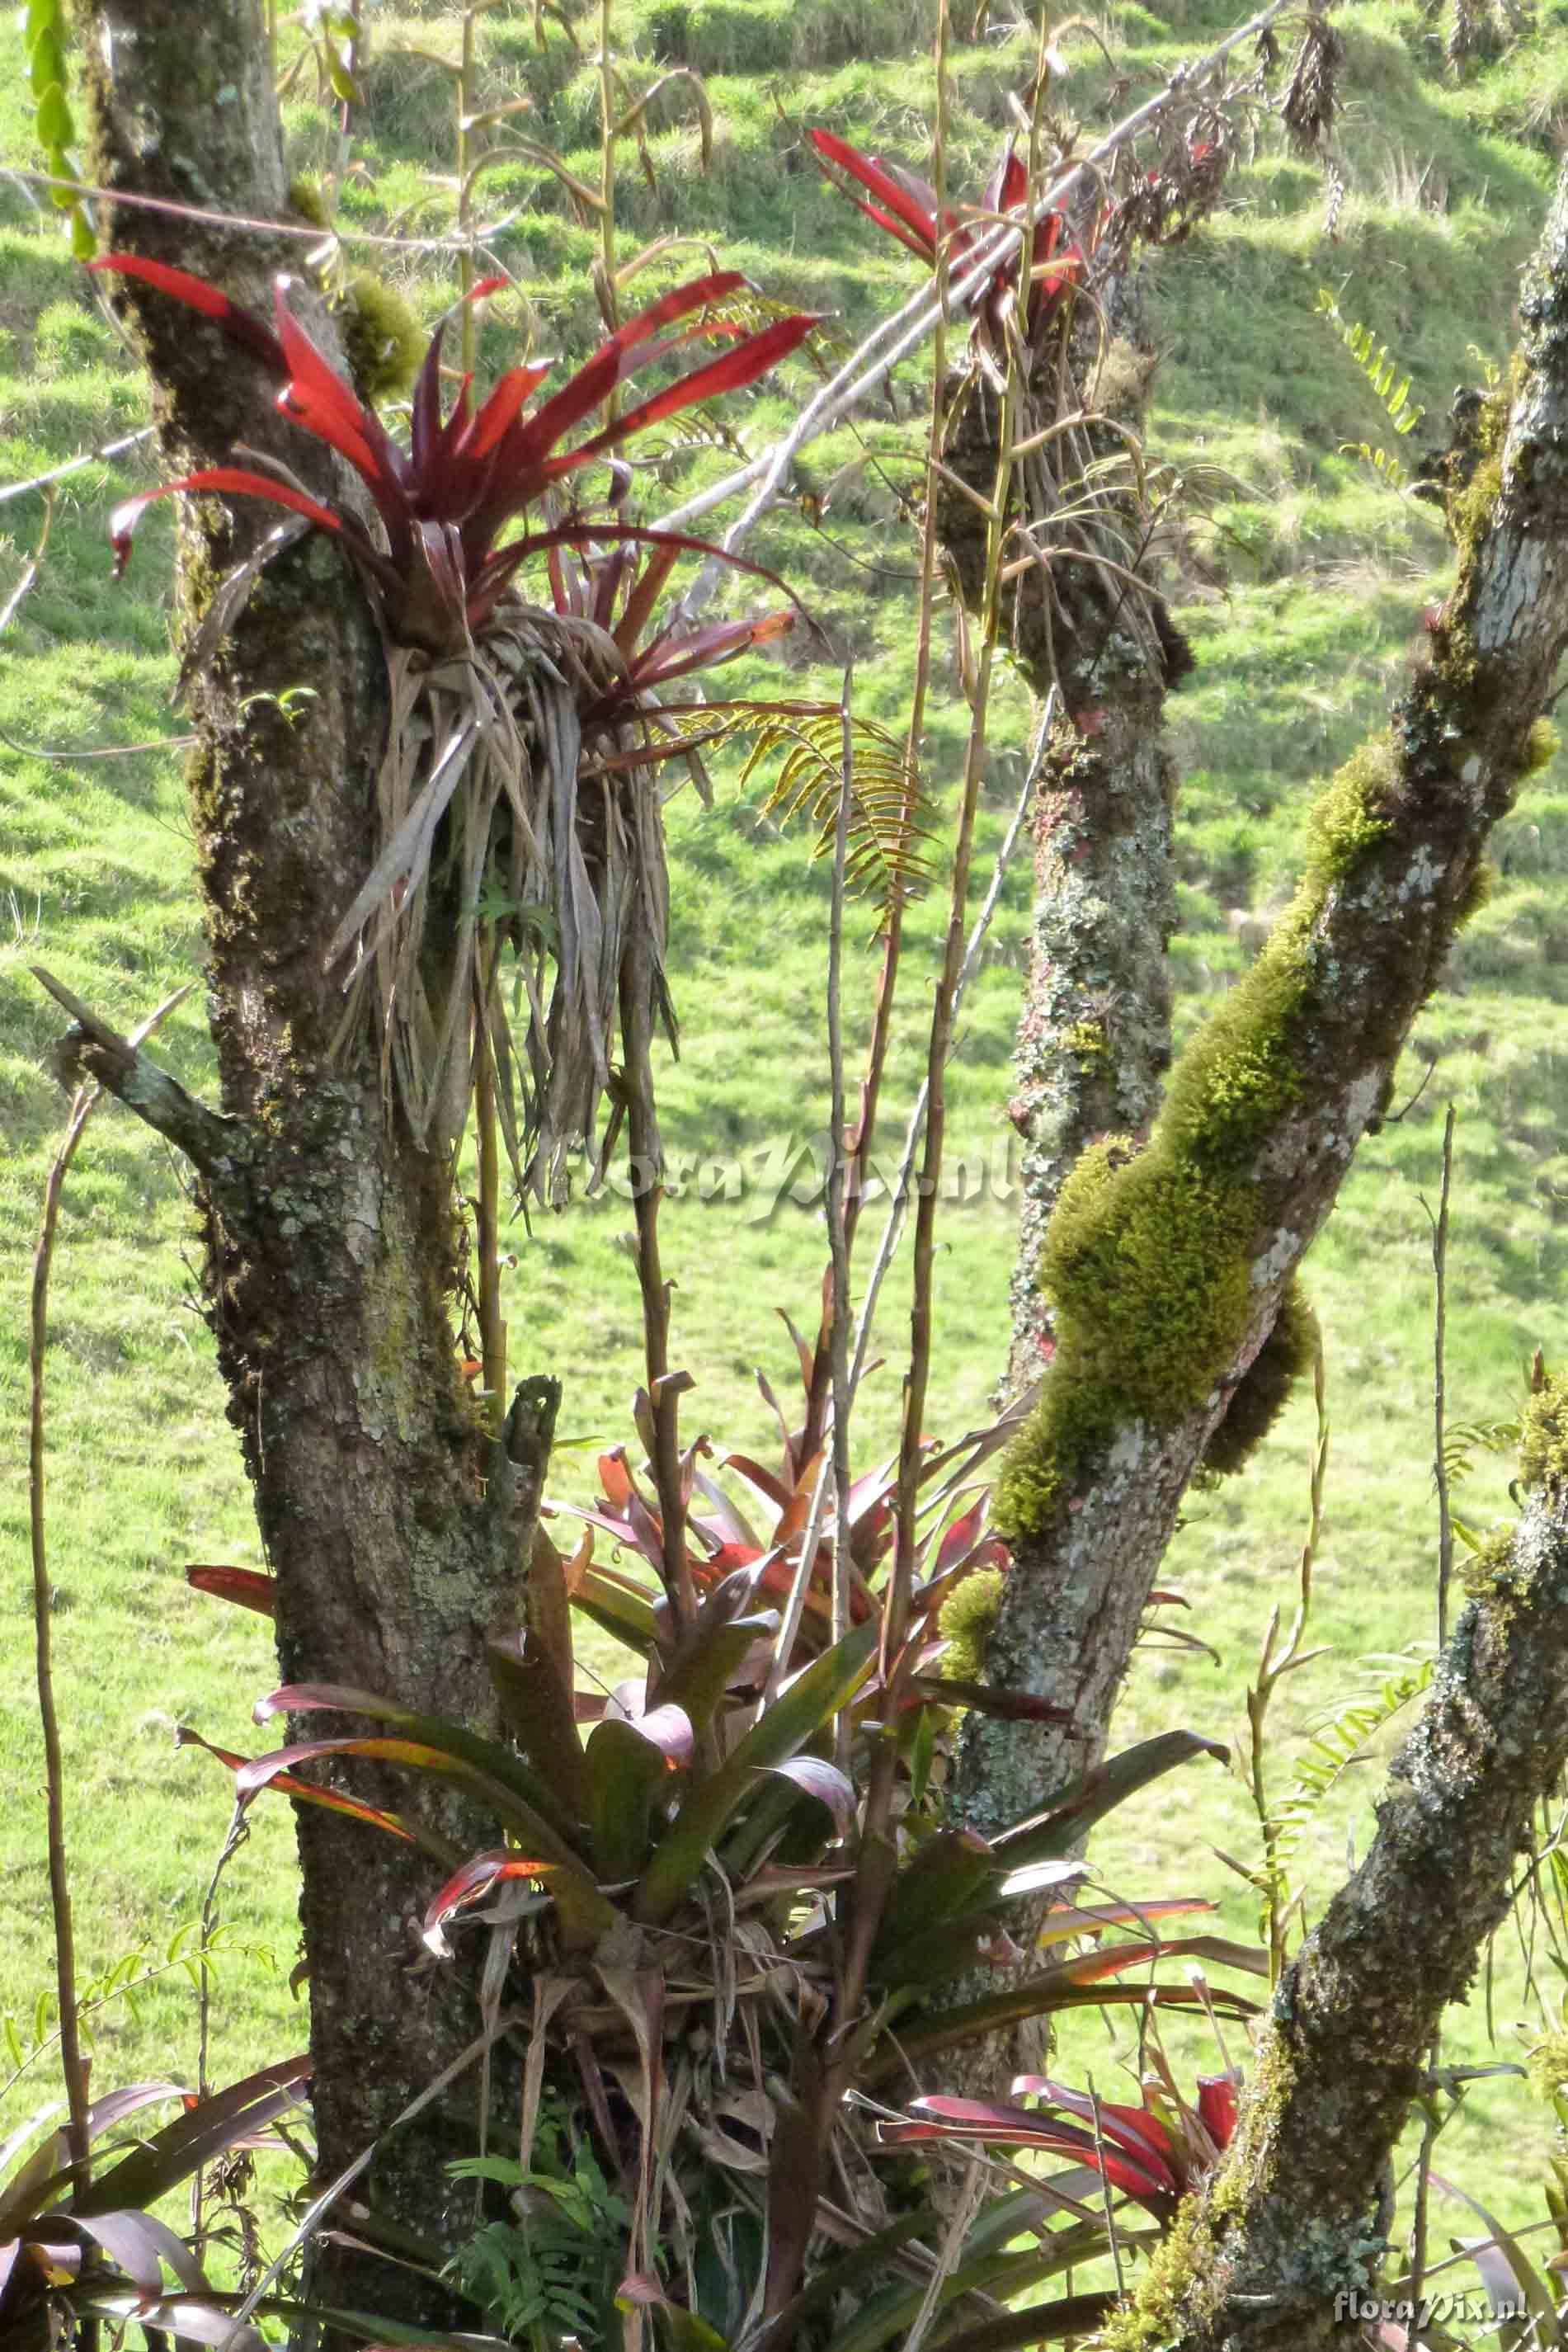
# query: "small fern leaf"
[[1335, 1750]]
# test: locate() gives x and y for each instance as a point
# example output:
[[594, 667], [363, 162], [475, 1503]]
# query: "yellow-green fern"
[[1391, 386]]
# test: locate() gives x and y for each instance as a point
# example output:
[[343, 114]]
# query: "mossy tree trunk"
[[1294, 2221], [1167, 1265], [394, 1535], [1093, 1038]]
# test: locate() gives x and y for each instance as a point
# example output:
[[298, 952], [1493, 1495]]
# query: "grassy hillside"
[[1302, 590]]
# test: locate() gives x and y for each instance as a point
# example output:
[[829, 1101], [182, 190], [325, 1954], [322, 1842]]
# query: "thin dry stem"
[[1440, 1381], [893, 937], [837, 1206], [1274, 1665], [85, 1101]]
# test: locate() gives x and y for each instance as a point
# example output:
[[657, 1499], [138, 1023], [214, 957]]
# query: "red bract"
[[443, 502], [1165, 2135], [1152, 2160], [905, 207]]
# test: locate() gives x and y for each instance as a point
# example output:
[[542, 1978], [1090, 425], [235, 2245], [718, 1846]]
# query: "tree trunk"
[[1167, 1265], [1294, 2216], [332, 1240], [1093, 1039]]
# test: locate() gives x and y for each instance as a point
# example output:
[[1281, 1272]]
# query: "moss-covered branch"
[[1165, 1266], [1293, 2216]]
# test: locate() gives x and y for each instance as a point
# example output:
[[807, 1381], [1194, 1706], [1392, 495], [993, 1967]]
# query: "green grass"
[[1303, 590]]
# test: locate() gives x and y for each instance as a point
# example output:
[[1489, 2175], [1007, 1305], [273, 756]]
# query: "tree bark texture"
[[1292, 2217], [390, 1522], [1167, 1264]]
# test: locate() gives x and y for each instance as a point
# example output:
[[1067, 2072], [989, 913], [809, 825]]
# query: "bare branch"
[[92, 1050]]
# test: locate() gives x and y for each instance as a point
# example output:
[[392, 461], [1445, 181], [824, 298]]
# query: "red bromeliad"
[[554, 812], [443, 502], [1155, 2153], [904, 205]]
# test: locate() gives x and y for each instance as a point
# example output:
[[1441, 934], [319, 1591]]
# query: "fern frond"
[[1463, 1439], [1382, 371], [890, 811], [1392, 472], [1389, 383], [1332, 1752]]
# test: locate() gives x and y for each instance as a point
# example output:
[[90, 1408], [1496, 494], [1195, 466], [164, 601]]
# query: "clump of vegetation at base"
[[1287, 1355]]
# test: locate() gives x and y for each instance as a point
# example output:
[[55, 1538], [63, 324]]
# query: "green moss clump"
[[1085, 1041], [1355, 813], [1542, 746], [383, 340], [1477, 894], [1147, 1262], [1147, 1259], [1470, 509], [1154, 2315], [1287, 1355], [1469, 504], [965, 1622], [1072, 1425], [1487, 1574], [308, 199], [1155, 1283], [1184, 2282], [1549, 2068], [1544, 1437]]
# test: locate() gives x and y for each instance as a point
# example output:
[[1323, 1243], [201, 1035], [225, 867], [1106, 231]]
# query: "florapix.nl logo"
[[793, 1169]]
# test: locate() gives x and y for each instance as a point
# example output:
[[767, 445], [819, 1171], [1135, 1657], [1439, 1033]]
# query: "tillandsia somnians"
[[513, 805]]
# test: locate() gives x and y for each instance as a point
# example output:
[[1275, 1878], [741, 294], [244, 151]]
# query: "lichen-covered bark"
[[330, 1240], [1167, 1269], [1293, 2218]]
